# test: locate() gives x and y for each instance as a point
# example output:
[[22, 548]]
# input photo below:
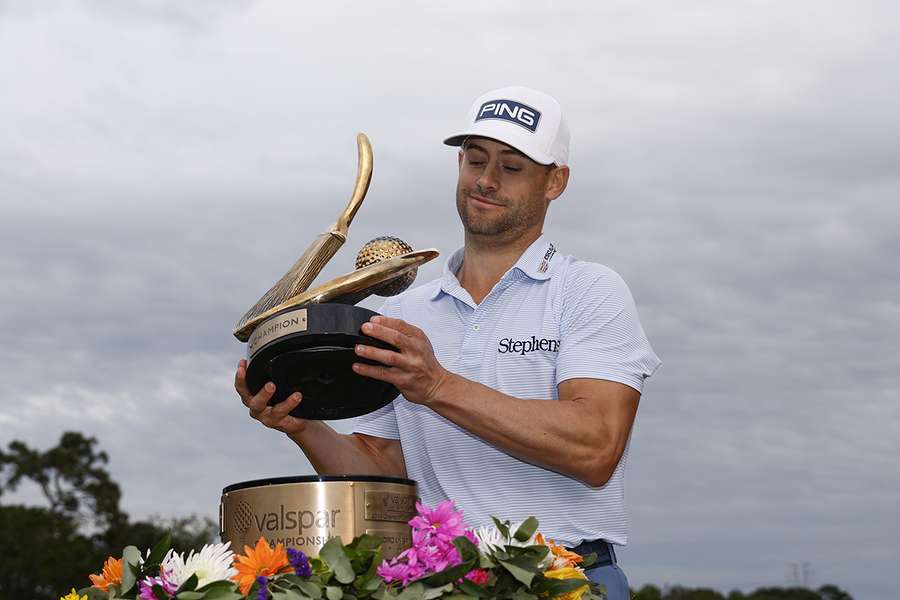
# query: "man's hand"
[[275, 417], [414, 370]]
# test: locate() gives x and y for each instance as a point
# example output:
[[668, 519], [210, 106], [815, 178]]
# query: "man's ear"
[[459, 158], [557, 182]]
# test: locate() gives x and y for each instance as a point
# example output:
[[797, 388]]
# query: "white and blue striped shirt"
[[550, 318]]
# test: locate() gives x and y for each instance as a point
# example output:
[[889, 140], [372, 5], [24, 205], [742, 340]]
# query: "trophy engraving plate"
[[290, 322], [386, 506], [393, 542]]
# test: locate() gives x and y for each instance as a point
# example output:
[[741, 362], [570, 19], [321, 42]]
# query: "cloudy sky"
[[163, 163]]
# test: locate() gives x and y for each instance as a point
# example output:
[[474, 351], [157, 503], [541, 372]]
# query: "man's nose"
[[489, 178]]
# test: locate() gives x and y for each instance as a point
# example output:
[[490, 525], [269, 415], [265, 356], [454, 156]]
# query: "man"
[[520, 369]]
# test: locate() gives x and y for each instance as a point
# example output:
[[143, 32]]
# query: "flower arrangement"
[[446, 560]]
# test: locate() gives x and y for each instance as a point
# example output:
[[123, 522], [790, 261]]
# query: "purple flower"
[[263, 592], [146, 588], [300, 562]]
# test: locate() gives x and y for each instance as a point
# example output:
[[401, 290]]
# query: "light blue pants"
[[613, 578]]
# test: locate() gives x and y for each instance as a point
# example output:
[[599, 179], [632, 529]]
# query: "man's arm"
[[329, 452], [582, 435]]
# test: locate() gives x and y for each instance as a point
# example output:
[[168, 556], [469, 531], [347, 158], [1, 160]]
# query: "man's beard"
[[512, 216]]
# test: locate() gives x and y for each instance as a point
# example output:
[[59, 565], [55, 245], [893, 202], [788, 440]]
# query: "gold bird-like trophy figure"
[[303, 339]]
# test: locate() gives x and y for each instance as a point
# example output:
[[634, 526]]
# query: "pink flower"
[[443, 521], [432, 551], [398, 571], [477, 576], [146, 588]]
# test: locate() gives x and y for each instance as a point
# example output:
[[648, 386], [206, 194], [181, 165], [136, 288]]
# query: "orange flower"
[[111, 574], [262, 560], [564, 557]]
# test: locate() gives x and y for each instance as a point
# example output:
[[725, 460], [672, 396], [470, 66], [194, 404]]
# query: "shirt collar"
[[537, 262]]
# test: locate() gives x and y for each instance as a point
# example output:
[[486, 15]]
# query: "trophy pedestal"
[[310, 349], [305, 512]]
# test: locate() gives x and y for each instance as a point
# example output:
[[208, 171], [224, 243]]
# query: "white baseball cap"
[[528, 120]]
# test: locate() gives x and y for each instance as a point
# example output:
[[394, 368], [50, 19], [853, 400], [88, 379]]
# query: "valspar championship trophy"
[[303, 340]]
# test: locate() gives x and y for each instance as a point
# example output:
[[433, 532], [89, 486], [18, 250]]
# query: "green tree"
[[776, 593], [48, 550], [71, 476], [833, 592], [648, 592]]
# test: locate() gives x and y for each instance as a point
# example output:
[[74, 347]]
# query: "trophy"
[[303, 339]]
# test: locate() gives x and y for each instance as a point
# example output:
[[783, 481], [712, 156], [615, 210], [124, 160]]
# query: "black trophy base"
[[310, 350]]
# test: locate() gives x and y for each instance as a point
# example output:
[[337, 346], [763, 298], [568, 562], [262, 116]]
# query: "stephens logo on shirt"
[[521, 347]]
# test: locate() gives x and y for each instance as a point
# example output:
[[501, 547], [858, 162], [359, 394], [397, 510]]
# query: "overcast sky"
[[163, 163]]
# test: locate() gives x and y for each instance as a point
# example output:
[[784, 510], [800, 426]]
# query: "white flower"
[[212, 563], [490, 536]]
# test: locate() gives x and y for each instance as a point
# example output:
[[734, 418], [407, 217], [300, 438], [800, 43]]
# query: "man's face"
[[501, 192]]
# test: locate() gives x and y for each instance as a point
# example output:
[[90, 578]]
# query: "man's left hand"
[[414, 370]]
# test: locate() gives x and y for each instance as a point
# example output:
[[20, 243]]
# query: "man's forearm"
[[581, 437], [333, 453]]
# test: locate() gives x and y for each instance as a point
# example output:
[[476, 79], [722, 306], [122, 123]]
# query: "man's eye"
[[511, 169], [476, 163]]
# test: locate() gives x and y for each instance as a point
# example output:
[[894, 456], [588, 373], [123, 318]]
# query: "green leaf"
[[557, 587], [160, 592], [437, 592], [130, 574], [214, 586], [589, 560], [380, 593], [414, 591], [467, 550], [310, 589], [367, 543], [503, 527], [522, 572], [131, 555], [486, 561], [189, 585], [220, 590], [471, 589], [447, 575], [131, 558], [190, 595], [333, 555], [159, 550], [93, 593], [526, 529], [334, 592], [287, 595]]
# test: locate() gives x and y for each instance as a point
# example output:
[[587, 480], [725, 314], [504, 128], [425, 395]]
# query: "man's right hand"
[[275, 417]]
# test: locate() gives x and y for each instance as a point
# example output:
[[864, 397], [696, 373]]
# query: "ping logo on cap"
[[512, 111]]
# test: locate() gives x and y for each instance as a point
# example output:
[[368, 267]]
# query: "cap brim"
[[538, 157]]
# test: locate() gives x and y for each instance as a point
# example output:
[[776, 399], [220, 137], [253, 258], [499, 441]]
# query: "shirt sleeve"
[[601, 336], [381, 423]]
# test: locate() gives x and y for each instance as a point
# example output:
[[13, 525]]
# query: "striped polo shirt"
[[550, 318]]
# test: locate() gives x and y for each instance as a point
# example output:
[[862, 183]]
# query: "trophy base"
[[311, 350], [305, 512]]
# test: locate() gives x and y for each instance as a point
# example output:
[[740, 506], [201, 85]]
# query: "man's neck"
[[485, 261]]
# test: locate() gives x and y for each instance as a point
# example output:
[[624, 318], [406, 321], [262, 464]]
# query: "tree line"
[[47, 550]]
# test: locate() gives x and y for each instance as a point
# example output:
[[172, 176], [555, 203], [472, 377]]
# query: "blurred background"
[[163, 163]]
